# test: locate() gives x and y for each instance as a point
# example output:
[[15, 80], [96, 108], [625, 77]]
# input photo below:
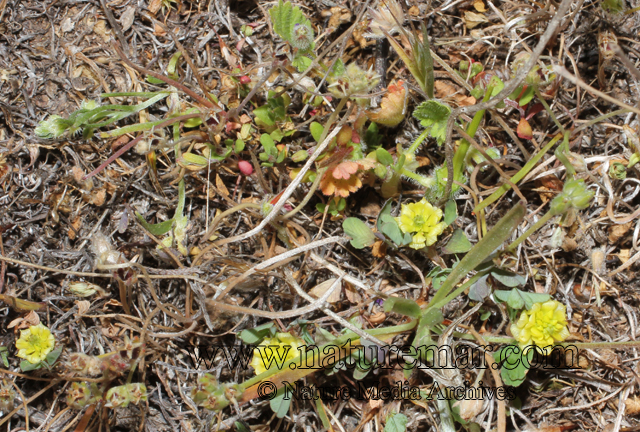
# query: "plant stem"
[[422, 180], [519, 175], [307, 197], [543, 220], [459, 290], [459, 156], [548, 109], [417, 142]]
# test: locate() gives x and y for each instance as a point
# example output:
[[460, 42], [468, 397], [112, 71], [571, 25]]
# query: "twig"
[[560, 70], [278, 259]]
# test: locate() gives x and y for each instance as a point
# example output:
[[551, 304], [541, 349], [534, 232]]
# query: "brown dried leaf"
[[352, 294], [220, 185], [633, 406], [392, 107], [154, 6], [480, 7], [379, 249], [76, 223], [83, 306], [473, 19], [319, 290], [27, 321], [616, 232]]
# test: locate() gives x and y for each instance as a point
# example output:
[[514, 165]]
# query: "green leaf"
[[384, 157], [192, 122], [360, 374], [480, 290], [3, 355], [459, 243], [277, 135], [450, 212], [255, 335], [156, 229], [264, 114], [154, 80], [528, 95], [433, 115], [396, 422], [301, 62], [402, 306], [173, 63], [53, 356], [432, 318], [279, 405], [507, 278], [239, 145], [268, 143], [284, 17], [516, 298], [316, 131], [26, 366], [372, 136], [388, 226], [361, 234], [496, 84], [513, 370], [494, 238]]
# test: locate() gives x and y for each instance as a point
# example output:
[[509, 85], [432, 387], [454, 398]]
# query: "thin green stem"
[[307, 197], [458, 290], [519, 176], [548, 109], [422, 180], [543, 220], [461, 153], [417, 142]]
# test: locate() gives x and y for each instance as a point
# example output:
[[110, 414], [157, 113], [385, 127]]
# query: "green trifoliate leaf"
[[433, 115], [361, 234]]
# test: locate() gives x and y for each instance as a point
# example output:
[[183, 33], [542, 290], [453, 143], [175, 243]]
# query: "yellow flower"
[[542, 326], [266, 355], [422, 219], [35, 343]]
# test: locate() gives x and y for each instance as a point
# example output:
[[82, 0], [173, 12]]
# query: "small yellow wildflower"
[[35, 343], [542, 326], [286, 349], [422, 219]]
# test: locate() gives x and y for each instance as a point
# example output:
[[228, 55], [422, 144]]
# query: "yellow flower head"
[[422, 220], [35, 343], [542, 326], [275, 351]]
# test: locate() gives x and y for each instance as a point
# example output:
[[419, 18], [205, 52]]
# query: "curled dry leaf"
[[445, 90], [392, 107], [616, 232], [469, 408], [319, 290], [31, 319], [473, 19]]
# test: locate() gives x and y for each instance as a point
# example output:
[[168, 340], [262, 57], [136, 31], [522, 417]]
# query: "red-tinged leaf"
[[392, 107], [524, 129], [345, 169], [534, 110]]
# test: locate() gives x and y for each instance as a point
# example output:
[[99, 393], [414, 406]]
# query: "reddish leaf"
[[524, 129]]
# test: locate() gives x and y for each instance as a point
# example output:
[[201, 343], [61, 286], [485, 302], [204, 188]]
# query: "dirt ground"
[[146, 320]]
